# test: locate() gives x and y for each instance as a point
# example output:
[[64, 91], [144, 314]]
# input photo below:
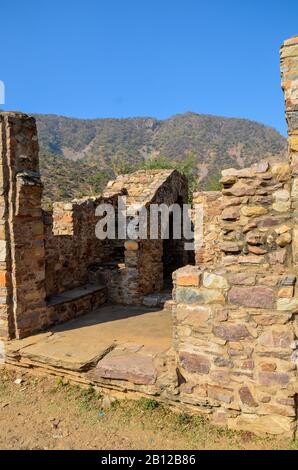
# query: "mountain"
[[79, 155]]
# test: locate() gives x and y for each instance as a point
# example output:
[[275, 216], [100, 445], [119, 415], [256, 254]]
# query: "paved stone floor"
[[122, 341]]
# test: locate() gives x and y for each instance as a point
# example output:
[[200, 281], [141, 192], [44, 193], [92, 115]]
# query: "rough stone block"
[[214, 281], [253, 211], [221, 394], [273, 378], [188, 278], [247, 397], [194, 362], [257, 297], [231, 331]]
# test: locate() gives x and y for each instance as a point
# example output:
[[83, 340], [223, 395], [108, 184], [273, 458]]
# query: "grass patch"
[[148, 404]]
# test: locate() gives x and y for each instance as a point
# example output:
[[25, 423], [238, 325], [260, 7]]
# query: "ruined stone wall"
[[142, 269], [235, 321], [71, 245], [22, 260]]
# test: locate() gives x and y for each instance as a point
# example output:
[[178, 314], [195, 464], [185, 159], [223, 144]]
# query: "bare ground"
[[45, 413]]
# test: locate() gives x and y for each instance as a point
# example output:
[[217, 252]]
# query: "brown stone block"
[[277, 337], [256, 297], [231, 331], [186, 278], [225, 395], [193, 362], [245, 279], [273, 379], [247, 397]]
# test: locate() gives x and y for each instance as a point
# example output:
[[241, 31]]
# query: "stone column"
[[22, 260]]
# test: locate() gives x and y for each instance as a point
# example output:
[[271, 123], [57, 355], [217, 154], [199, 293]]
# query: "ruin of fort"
[[223, 342]]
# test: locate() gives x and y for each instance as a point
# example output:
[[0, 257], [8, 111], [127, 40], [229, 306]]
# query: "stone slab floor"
[[120, 341]]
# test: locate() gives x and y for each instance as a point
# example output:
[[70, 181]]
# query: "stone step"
[[74, 294]]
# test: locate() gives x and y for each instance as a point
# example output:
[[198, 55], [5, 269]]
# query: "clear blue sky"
[[118, 58]]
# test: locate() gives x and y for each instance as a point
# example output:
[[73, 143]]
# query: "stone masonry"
[[236, 326], [234, 351]]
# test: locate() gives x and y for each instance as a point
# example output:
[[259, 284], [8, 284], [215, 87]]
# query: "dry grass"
[[45, 413]]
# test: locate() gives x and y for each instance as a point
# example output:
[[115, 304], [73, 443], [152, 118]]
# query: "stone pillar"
[[209, 204], [22, 268]]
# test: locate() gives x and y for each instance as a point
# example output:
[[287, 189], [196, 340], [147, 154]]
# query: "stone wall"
[[142, 270], [235, 321], [22, 260], [71, 245]]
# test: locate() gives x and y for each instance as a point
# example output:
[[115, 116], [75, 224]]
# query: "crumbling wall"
[[235, 321], [142, 269], [22, 260], [71, 244]]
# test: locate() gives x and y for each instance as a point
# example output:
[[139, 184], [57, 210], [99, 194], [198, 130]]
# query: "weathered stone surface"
[[250, 259], [246, 397], [281, 171], [272, 318], [274, 424], [189, 295], [257, 250], [288, 280], [196, 317], [136, 368], [287, 291], [242, 279], [189, 278], [214, 281], [221, 394], [284, 239], [255, 238], [253, 211], [273, 378], [240, 189], [231, 332], [257, 297], [277, 337], [230, 213], [278, 256], [194, 362], [231, 247], [287, 304]]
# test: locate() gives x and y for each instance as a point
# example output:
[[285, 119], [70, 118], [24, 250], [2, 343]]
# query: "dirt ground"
[[45, 413]]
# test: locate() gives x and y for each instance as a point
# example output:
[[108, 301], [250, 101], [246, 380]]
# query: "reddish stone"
[[246, 396], [195, 362], [257, 250], [230, 213], [256, 297], [132, 367], [255, 238], [268, 366], [277, 338], [231, 331], [273, 378], [244, 279], [278, 257]]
